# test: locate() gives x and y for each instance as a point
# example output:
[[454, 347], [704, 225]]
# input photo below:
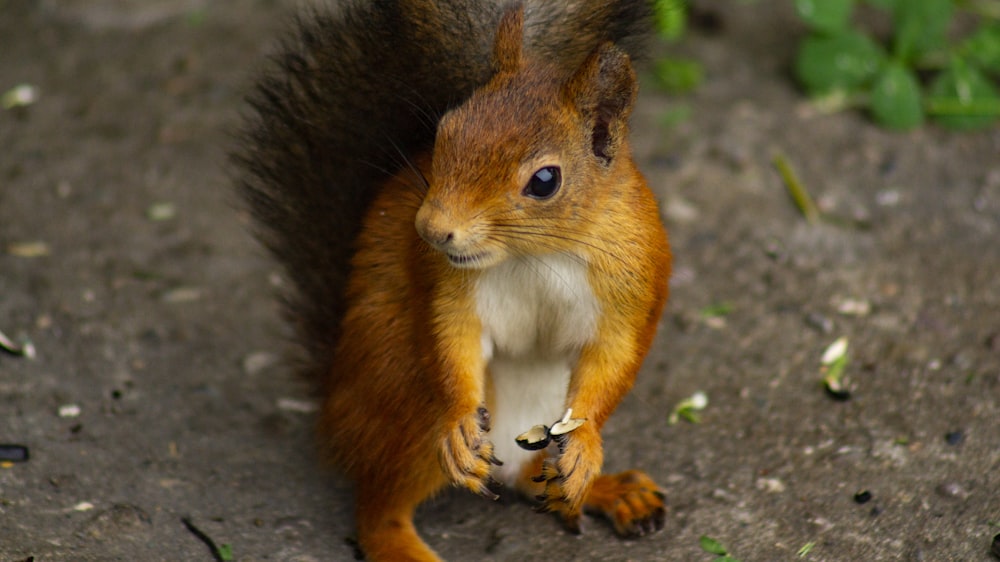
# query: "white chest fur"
[[536, 313], [533, 306]]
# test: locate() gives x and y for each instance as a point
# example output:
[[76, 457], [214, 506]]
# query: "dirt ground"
[[126, 262]]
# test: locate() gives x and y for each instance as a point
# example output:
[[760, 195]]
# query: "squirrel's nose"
[[438, 238], [433, 228]]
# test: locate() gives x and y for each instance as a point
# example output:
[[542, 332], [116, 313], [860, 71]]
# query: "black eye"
[[544, 184]]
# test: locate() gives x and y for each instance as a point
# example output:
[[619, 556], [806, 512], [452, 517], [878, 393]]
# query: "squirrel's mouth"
[[468, 260]]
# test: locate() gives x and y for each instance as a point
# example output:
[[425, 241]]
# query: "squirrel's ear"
[[604, 89], [507, 45]]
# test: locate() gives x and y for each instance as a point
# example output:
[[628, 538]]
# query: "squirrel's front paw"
[[569, 476], [466, 455]]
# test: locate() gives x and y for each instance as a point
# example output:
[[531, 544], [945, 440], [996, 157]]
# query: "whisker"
[[423, 110], [415, 170], [540, 232], [531, 222], [580, 234]]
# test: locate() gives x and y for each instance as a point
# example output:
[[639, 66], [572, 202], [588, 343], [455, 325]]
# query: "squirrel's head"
[[526, 164]]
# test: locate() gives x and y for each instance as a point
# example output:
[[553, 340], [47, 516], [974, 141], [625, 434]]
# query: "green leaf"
[[895, 101], [921, 26], [845, 61], [884, 4], [678, 76], [712, 546], [675, 115], [961, 97], [828, 16], [19, 96], [688, 409], [671, 18], [982, 48], [226, 552], [716, 310]]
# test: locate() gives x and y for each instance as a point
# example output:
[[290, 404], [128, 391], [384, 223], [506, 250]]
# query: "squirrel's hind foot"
[[630, 500]]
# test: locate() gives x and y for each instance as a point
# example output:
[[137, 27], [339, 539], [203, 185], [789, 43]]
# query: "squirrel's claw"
[[572, 523], [569, 476], [466, 456]]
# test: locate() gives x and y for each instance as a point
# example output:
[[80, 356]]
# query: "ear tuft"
[[507, 47], [604, 89]]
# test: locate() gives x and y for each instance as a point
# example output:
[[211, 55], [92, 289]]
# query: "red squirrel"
[[471, 248]]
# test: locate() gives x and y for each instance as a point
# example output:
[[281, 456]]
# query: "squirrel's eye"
[[544, 184]]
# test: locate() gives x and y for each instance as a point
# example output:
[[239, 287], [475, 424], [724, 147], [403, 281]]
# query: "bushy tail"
[[352, 93]]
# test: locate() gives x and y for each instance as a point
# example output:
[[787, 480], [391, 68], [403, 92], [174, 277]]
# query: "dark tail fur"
[[354, 92]]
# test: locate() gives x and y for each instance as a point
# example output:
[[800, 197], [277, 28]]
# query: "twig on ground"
[[799, 194], [217, 552]]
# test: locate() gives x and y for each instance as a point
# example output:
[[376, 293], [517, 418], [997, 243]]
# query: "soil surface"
[[125, 260]]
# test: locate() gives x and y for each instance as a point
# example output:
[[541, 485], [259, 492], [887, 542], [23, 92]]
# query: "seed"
[[536, 438], [566, 424], [863, 496], [562, 427], [26, 349], [539, 436]]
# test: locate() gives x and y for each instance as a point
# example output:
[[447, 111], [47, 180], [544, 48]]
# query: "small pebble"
[[715, 322], [14, 453], [160, 212], [888, 164], [993, 342], [680, 211], [819, 322], [182, 295], [64, 189], [962, 360], [770, 485], [887, 198], [297, 406], [31, 249], [863, 497], [955, 437], [854, 307], [952, 490], [259, 361], [69, 411]]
